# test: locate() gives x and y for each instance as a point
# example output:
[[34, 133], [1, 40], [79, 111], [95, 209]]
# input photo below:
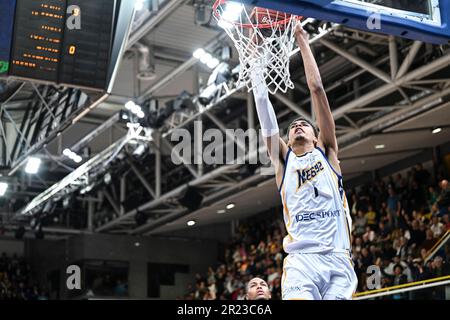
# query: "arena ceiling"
[[383, 91]]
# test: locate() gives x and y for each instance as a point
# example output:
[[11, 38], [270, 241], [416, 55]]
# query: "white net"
[[263, 38]]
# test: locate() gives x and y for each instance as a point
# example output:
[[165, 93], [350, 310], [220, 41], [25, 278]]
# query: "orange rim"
[[251, 25]]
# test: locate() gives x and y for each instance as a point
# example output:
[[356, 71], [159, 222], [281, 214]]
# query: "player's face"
[[301, 131], [258, 289]]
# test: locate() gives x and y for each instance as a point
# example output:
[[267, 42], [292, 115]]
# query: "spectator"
[[432, 197], [392, 230], [393, 205], [443, 201], [399, 278], [429, 240], [371, 217], [422, 176], [437, 228], [257, 289], [446, 221], [360, 223], [16, 282]]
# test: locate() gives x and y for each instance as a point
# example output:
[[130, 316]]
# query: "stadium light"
[[191, 223], [436, 130], [3, 188], [232, 11], [199, 53], [134, 108], [213, 63], [33, 165], [230, 206], [72, 155], [139, 5], [206, 58]]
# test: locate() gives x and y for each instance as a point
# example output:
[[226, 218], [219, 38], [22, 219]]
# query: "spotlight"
[[33, 165], [436, 130], [129, 105], [199, 53], [214, 62], [191, 223], [72, 155], [230, 206], [207, 95], [3, 188], [107, 178], [139, 5]]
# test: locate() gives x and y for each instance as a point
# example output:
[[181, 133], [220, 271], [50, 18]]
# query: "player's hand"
[[300, 33]]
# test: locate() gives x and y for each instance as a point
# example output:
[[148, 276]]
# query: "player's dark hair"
[[316, 130]]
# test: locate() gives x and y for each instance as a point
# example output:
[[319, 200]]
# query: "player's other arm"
[[321, 107], [276, 147]]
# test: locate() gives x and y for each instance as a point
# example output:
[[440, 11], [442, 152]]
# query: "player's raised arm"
[[276, 147], [321, 107]]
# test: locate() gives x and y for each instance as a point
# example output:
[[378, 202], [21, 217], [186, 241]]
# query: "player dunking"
[[318, 224]]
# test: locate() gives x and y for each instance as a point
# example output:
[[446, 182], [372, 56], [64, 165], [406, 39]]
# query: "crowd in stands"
[[16, 280], [396, 221]]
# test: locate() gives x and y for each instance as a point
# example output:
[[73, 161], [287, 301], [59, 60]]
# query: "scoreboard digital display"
[[7, 9], [68, 42], [86, 51], [38, 34]]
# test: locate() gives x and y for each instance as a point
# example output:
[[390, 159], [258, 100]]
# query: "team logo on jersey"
[[317, 215], [309, 174]]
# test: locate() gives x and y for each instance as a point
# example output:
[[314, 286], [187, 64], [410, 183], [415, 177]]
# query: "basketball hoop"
[[264, 39]]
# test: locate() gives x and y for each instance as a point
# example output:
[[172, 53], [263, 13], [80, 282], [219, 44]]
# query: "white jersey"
[[315, 207]]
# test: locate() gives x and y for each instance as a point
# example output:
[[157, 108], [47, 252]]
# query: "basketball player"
[[257, 289], [316, 215]]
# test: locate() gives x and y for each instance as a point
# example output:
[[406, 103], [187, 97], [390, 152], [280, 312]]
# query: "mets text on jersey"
[[310, 173]]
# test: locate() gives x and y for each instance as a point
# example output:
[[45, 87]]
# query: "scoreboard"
[[67, 42], [6, 30]]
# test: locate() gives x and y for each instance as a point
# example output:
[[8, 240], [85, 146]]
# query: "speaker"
[[191, 199]]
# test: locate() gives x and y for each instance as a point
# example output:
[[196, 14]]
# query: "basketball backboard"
[[424, 20]]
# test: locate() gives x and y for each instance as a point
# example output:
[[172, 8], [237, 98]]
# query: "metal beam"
[[394, 117], [185, 162], [90, 136], [163, 13], [169, 77], [123, 192], [222, 127], [158, 164], [291, 105], [358, 61], [141, 178], [111, 202], [409, 59], [386, 89], [393, 54], [173, 193]]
